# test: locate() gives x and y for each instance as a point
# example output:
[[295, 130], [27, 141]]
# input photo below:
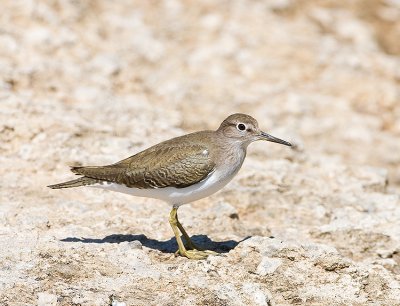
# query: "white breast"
[[179, 196]]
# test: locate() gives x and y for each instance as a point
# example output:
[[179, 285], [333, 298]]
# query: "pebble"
[[47, 299], [268, 266]]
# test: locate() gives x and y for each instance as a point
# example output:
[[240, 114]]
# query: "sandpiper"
[[180, 170]]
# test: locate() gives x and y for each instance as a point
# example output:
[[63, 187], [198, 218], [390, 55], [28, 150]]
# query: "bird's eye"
[[241, 127]]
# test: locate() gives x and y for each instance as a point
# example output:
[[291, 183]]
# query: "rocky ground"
[[92, 82]]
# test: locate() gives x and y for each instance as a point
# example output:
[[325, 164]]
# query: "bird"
[[180, 170]]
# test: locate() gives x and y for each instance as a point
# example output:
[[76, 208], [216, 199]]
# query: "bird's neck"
[[232, 154]]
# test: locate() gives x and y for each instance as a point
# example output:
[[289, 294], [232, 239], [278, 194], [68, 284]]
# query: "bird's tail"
[[82, 181]]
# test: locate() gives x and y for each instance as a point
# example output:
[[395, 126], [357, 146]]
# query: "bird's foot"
[[192, 246], [196, 254]]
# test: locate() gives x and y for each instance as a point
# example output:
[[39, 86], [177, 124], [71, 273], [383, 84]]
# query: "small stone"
[[136, 244], [130, 245], [258, 296], [225, 209], [197, 282], [25, 151], [388, 263], [332, 262], [46, 299], [384, 253], [279, 5], [228, 292], [117, 303], [106, 64], [268, 266]]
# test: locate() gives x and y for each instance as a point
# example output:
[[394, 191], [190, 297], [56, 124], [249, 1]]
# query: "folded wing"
[[157, 167]]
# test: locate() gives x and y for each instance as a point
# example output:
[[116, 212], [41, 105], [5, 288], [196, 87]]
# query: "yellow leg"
[[189, 241], [176, 227]]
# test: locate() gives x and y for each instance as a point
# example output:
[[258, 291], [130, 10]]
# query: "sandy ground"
[[92, 82]]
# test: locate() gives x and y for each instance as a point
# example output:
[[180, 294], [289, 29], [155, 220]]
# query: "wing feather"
[[160, 166]]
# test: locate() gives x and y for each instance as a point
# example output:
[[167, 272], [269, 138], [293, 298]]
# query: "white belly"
[[176, 196]]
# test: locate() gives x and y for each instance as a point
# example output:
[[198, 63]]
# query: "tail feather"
[[82, 181], [107, 173]]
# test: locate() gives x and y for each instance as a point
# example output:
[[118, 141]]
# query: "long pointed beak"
[[271, 138]]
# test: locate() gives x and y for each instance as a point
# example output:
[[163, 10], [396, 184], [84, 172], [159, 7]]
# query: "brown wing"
[[163, 165]]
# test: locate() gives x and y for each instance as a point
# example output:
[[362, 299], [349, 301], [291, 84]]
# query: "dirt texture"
[[92, 82]]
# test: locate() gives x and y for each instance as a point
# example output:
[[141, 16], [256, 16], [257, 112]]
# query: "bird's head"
[[244, 129]]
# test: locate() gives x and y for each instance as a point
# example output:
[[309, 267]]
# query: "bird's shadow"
[[168, 246]]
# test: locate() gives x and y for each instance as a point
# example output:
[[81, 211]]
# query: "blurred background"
[[323, 73], [92, 82]]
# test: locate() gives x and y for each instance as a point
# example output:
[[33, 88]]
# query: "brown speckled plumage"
[[178, 162]]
